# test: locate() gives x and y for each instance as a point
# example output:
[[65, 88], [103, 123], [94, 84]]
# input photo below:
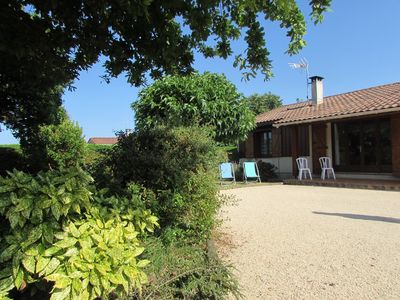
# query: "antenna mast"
[[302, 65]]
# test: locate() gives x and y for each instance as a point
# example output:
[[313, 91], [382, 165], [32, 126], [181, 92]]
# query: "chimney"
[[317, 90]]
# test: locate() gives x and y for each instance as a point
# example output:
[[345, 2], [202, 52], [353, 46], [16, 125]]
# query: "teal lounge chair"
[[227, 173], [250, 171]]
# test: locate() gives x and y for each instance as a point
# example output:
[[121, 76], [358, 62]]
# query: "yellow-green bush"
[[57, 237]]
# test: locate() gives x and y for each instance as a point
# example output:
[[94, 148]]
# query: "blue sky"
[[357, 46]]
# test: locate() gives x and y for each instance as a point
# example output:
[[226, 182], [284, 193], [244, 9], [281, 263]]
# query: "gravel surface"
[[299, 242]]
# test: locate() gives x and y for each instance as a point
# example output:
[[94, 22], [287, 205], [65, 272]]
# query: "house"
[[103, 140], [359, 130]]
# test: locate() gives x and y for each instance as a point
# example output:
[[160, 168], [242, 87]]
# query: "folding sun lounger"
[[227, 173], [250, 170]]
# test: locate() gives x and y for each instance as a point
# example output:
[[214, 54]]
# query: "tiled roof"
[[374, 100], [103, 140]]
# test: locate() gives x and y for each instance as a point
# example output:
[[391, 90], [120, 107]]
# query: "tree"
[[45, 44], [205, 100], [262, 103]]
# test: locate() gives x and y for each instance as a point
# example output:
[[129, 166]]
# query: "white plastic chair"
[[302, 165], [326, 166]]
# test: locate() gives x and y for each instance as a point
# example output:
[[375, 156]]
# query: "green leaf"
[[143, 263], [71, 252], [41, 263], [77, 285], [51, 267], [101, 269], [51, 251], [48, 233], [5, 272], [62, 282], [94, 278], [29, 264], [56, 277], [6, 284], [66, 243], [19, 279], [8, 252], [60, 294], [34, 235], [56, 211], [138, 251], [14, 218], [74, 231], [32, 251]]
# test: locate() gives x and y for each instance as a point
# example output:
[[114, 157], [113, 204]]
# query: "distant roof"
[[374, 100], [103, 140]]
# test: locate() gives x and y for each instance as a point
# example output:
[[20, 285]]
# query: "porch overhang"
[[339, 117]]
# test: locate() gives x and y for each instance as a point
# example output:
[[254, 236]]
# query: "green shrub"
[[63, 143], [267, 170], [57, 234], [95, 162], [180, 166]]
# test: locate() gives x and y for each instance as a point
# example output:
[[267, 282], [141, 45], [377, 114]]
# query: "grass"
[[11, 146]]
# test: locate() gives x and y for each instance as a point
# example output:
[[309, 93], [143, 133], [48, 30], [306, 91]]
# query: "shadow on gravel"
[[360, 217]]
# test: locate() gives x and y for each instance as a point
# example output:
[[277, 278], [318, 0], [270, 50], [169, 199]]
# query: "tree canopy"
[[45, 44], [206, 100], [262, 103]]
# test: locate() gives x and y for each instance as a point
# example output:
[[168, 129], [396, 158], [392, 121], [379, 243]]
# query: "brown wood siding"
[[304, 142], [257, 144], [319, 145], [287, 140], [249, 145], [294, 148], [276, 142], [395, 134]]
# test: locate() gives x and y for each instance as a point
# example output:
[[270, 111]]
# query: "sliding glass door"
[[363, 146]]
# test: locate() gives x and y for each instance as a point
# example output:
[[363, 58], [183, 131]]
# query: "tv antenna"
[[302, 65]]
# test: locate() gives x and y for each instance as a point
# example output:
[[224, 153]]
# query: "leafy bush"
[[57, 234], [64, 144], [199, 99], [267, 170], [180, 166]]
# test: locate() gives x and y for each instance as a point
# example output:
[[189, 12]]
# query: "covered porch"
[[361, 147], [391, 184]]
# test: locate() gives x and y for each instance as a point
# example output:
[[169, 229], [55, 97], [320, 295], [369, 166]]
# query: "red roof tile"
[[371, 100], [103, 140]]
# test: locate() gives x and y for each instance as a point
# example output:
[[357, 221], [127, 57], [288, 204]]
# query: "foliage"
[[55, 229], [180, 166], [45, 44], [63, 143], [262, 103], [186, 272], [267, 170], [207, 100], [10, 158]]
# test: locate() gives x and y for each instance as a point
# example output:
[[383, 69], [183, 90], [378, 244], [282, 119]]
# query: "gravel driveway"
[[298, 242]]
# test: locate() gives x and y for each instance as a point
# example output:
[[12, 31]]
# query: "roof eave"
[[336, 117]]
